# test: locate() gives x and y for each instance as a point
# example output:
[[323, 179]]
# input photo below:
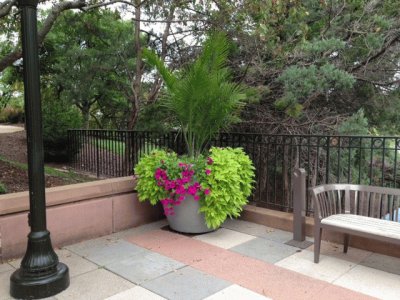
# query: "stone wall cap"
[[19, 202]]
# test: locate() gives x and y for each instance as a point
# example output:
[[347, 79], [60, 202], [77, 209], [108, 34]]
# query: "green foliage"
[[230, 181], [301, 82], [202, 97], [146, 184], [155, 117], [357, 124], [352, 164], [58, 117], [318, 47], [12, 115], [87, 58], [3, 189]]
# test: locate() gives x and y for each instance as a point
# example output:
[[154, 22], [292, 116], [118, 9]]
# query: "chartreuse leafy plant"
[[222, 182], [230, 182], [202, 97]]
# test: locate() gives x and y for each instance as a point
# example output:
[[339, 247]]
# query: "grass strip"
[[69, 175]]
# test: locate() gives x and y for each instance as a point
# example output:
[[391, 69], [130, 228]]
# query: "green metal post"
[[41, 274]]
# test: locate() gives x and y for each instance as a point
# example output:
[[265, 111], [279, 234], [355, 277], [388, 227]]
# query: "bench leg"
[[317, 244], [346, 243]]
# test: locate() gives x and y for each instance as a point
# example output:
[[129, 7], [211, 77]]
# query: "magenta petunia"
[[192, 190], [180, 190], [207, 192], [208, 172]]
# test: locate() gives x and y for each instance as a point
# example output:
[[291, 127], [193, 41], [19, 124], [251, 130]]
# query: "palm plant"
[[202, 96]]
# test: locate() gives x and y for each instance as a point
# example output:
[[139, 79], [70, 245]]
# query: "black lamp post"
[[41, 274]]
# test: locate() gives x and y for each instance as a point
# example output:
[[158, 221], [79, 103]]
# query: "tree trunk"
[[85, 114], [136, 84]]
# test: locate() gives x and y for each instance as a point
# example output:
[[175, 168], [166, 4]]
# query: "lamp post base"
[[25, 287]]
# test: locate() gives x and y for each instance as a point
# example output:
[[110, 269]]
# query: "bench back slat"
[[370, 201]]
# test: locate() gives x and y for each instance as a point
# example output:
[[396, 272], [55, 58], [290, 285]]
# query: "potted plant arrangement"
[[200, 190]]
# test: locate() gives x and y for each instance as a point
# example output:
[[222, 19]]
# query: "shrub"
[[58, 117], [3, 189], [12, 115]]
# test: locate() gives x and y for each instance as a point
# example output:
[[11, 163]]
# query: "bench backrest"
[[365, 200]]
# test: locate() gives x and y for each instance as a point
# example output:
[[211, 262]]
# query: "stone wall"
[[75, 212]]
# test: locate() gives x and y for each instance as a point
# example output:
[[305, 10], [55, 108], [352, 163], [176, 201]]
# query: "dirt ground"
[[13, 147]]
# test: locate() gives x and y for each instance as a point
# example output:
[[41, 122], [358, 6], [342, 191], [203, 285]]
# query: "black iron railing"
[[327, 159]]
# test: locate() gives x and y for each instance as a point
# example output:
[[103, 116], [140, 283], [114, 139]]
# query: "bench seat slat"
[[364, 224]]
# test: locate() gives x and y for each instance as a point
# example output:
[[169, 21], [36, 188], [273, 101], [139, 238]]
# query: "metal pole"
[[41, 274], [299, 210], [299, 205]]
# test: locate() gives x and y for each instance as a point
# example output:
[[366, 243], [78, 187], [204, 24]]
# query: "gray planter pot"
[[187, 218]]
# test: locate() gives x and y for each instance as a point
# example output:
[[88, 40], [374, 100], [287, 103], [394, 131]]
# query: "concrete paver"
[[382, 262], [173, 245], [144, 266], [258, 230], [131, 232], [186, 283], [136, 293], [332, 292], [236, 292], [373, 282], [224, 238], [5, 267], [5, 285], [76, 264], [95, 285], [328, 269], [266, 250], [335, 250], [104, 252]]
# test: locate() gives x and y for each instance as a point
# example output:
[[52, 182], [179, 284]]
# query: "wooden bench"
[[367, 211]]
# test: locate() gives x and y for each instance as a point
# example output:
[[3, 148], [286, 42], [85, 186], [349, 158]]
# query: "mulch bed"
[[13, 147], [16, 179]]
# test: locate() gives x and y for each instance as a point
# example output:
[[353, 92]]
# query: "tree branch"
[[5, 7], [98, 5], [382, 51], [47, 25]]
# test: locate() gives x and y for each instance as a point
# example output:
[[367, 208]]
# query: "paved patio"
[[241, 260]]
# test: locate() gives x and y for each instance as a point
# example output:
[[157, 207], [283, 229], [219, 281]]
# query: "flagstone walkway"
[[240, 261]]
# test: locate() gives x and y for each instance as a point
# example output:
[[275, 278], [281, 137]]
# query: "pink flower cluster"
[[178, 188]]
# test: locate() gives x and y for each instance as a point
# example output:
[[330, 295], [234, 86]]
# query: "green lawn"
[[67, 175], [118, 147], [111, 145]]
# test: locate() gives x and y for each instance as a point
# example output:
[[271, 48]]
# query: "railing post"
[[299, 209], [97, 145]]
